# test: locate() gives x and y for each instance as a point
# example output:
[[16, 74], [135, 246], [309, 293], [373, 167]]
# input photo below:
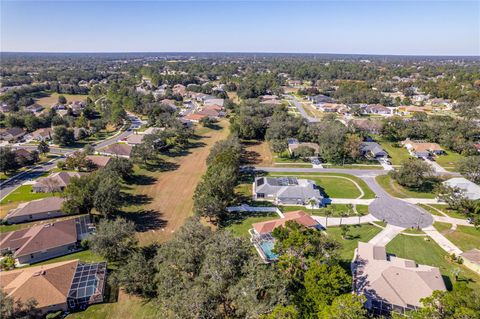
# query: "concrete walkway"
[[386, 235], [356, 201], [337, 221], [442, 241], [451, 220], [428, 201]]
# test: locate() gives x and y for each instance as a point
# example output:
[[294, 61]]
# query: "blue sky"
[[374, 27]]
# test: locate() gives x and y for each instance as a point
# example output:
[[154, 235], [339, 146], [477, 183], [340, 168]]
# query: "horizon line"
[[240, 52]]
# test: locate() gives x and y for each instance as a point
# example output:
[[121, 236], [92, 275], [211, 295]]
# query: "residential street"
[[300, 109]]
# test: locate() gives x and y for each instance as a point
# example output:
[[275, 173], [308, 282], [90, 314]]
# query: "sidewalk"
[[442, 241], [422, 201], [335, 221], [451, 220], [353, 201], [386, 235]]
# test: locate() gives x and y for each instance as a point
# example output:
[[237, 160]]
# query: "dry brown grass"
[[171, 194], [48, 101], [258, 153]]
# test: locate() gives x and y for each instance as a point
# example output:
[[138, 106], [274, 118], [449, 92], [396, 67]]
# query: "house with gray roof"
[[470, 190], [287, 191], [373, 150], [38, 209]]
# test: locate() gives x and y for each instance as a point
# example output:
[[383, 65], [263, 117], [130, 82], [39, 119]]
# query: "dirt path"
[[172, 192]]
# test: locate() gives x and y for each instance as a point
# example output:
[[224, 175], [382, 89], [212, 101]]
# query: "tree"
[[136, 276], [79, 161], [279, 146], [413, 173], [328, 212], [453, 196], [62, 99], [115, 239], [107, 198], [347, 306], [304, 151], [11, 309], [344, 229], [63, 136], [89, 149], [43, 148], [470, 168], [79, 194], [7, 160], [123, 167], [283, 312], [323, 283], [352, 145], [143, 152], [207, 121]]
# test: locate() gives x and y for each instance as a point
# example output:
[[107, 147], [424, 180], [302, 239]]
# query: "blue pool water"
[[267, 247]]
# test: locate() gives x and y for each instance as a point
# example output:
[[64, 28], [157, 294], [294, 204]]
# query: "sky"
[[351, 27]]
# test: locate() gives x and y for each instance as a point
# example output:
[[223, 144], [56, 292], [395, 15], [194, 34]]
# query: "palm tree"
[[328, 213]]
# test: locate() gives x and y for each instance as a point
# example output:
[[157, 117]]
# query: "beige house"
[[471, 259], [56, 182], [117, 149], [46, 241], [390, 283], [99, 160], [39, 209]]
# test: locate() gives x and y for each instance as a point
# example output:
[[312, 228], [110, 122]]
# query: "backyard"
[[426, 251], [22, 194]]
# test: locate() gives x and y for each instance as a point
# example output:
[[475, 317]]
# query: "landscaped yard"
[[357, 233], [397, 154], [245, 220], [449, 160], [464, 237], [84, 255], [335, 185], [429, 253], [338, 209], [393, 188]]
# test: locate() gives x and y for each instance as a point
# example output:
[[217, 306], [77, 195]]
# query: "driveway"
[[386, 235]]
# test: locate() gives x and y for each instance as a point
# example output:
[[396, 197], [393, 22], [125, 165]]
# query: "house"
[[373, 150], [470, 190], [409, 109], [4, 108], [41, 134], [390, 283], [367, 125], [471, 259], [319, 99], [21, 152], [67, 285], [211, 113], [117, 149], [421, 149], [169, 103], [195, 117], [261, 232], [477, 146], [293, 144], [332, 107], [134, 139], [39, 209], [377, 109], [152, 130], [179, 89], [298, 216], [213, 101], [287, 191], [99, 160], [271, 102], [46, 241], [35, 108], [56, 182], [11, 134]]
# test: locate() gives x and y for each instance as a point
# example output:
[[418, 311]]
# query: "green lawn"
[[128, 307], [23, 194], [449, 160], [337, 210], [357, 233], [84, 255], [397, 190], [245, 221], [335, 187], [429, 253], [353, 166], [443, 208], [464, 237], [397, 154]]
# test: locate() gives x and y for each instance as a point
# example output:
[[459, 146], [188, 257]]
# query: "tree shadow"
[[141, 180], [145, 220], [238, 217], [159, 166], [135, 200]]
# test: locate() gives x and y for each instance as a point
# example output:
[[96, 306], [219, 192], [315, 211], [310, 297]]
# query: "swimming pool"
[[267, 247]]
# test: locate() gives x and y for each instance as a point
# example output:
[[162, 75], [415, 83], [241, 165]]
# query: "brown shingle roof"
[[38, 206], [119, 149], [99, 160], [47, 284], [37, 238], [62, 179]]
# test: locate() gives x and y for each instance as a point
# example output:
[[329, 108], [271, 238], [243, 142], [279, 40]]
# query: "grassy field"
[[429, 253], [85, 255], [464, 237], [397, 154], [52, 98], [165, 198], [449, 160], [353, 166], [338, 209], [433, 209], [258, 153], [333, 185], [357, 233], [397, 190]]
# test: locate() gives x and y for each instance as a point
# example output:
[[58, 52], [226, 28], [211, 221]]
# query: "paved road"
[[385, 207], [300, 109], [14, 182]]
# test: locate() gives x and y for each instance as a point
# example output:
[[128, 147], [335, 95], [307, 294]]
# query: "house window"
[[31, 256], [260, 195], [30, 216]]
